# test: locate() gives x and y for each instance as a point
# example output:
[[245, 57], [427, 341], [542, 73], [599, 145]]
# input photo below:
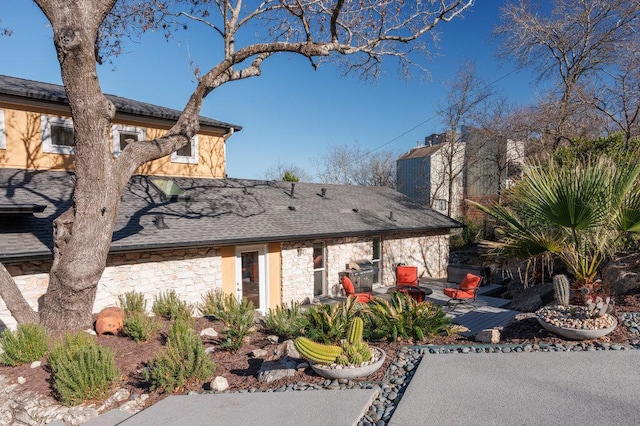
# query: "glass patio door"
[[251, 276]]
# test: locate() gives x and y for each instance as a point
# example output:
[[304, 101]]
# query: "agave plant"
[[579, 212]]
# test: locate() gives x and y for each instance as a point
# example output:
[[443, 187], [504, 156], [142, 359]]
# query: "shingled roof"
[[47, 92], [212, 212]]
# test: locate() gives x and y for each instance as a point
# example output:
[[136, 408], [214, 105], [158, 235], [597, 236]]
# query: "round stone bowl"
[[578, 333], [328, 372]]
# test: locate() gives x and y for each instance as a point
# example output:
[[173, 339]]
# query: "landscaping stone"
[[490, 335], [36, 364], [270, 371], [259, 353], [209, 332], [219, 384]]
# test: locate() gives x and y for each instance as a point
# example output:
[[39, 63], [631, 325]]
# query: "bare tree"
[[357, 34], [572, 43], [617, 96], [466, 93], [280, 170], [354, 165]]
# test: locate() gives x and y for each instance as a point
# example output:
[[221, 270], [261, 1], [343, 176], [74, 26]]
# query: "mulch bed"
[[240, 368]]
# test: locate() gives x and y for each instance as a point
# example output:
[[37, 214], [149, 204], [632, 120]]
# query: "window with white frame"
[[187, 154], [318, 269], [57, 135], [3, 136], [123, 134]]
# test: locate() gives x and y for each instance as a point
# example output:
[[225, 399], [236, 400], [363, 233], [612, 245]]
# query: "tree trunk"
[[15, 301]]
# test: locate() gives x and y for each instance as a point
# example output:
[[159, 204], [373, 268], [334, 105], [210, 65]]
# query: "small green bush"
[[132, 302], [184, 360], [27, 344], [168, 305], [329, 323], [81, 369], [404, 318], [238, 317], [286, 321], [140, 327]]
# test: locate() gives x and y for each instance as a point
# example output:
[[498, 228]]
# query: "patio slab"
[[538, 388]]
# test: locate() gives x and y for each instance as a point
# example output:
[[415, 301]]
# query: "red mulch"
[[240, 368]]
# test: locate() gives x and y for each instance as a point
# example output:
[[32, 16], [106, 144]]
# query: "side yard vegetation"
[[83, 370]]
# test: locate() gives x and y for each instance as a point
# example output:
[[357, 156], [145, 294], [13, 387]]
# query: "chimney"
[[293, 188], [323, 192]]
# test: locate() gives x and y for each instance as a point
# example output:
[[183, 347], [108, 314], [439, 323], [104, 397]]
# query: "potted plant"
[[576, 322], [352, 359]]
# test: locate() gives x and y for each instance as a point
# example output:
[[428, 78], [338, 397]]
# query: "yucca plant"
[[578, 212], [26, 344], [402, 318], [286, 321], [329, 323]]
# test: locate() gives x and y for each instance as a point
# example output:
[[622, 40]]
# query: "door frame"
[[263, 274]]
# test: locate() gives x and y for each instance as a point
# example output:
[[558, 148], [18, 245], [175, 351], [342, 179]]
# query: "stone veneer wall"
[[190, 273], [429, 253]]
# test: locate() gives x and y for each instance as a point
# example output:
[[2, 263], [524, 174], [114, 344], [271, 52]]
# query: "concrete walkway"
[[538, 388]]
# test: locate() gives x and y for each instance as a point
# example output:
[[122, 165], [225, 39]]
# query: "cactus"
[[561, 289], [317, 352], [355, 330]]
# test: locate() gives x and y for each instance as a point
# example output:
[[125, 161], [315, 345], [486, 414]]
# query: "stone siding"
[[297, 272], [429, 253], [190, 273]]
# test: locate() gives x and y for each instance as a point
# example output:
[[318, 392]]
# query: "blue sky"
[[291, 113]]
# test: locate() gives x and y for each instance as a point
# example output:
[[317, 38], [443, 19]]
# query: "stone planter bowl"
[[578, 333], [350, 372]]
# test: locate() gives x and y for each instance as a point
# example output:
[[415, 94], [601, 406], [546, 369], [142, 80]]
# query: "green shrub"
[[140, 327], [238, 317], [168, 305], [404, 318], [27, 344], [132, 302], [185, 359], [212, 303], [329, 323], [81, 369], [286, 321]]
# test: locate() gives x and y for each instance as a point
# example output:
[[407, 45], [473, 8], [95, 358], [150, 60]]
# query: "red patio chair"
[[406, 276], [466, 292], [350, 290]]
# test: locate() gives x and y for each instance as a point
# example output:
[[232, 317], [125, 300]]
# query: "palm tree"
[[580, 213]]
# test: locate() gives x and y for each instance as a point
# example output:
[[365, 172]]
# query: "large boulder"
[[532, 298], [623, 274]]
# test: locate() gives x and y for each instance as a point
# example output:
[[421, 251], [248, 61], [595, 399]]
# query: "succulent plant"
[[598, 307], [561, 290], [317, 352]]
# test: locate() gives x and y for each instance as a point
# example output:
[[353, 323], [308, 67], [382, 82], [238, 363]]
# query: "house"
[[272, 242], [473, 167], [428, 172]]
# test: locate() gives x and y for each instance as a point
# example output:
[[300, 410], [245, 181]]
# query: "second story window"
[[123, 133], [187, 154], [57, 135]]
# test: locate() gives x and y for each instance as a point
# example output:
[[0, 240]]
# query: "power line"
[[487, 86]]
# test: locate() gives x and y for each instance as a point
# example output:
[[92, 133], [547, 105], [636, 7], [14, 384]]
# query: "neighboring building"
[[180, 229], [481, 169], [426, 173]]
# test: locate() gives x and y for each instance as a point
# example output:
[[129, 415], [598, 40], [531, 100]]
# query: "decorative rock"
[[287, 349], [22, 380], [270, 371], [91, 331], [210, 349], [273, 339], [209, 332], [259, 353], [36, 364], [490, 335], [219, 384]]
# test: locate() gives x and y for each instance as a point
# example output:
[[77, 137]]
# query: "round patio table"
[[416, 292]]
